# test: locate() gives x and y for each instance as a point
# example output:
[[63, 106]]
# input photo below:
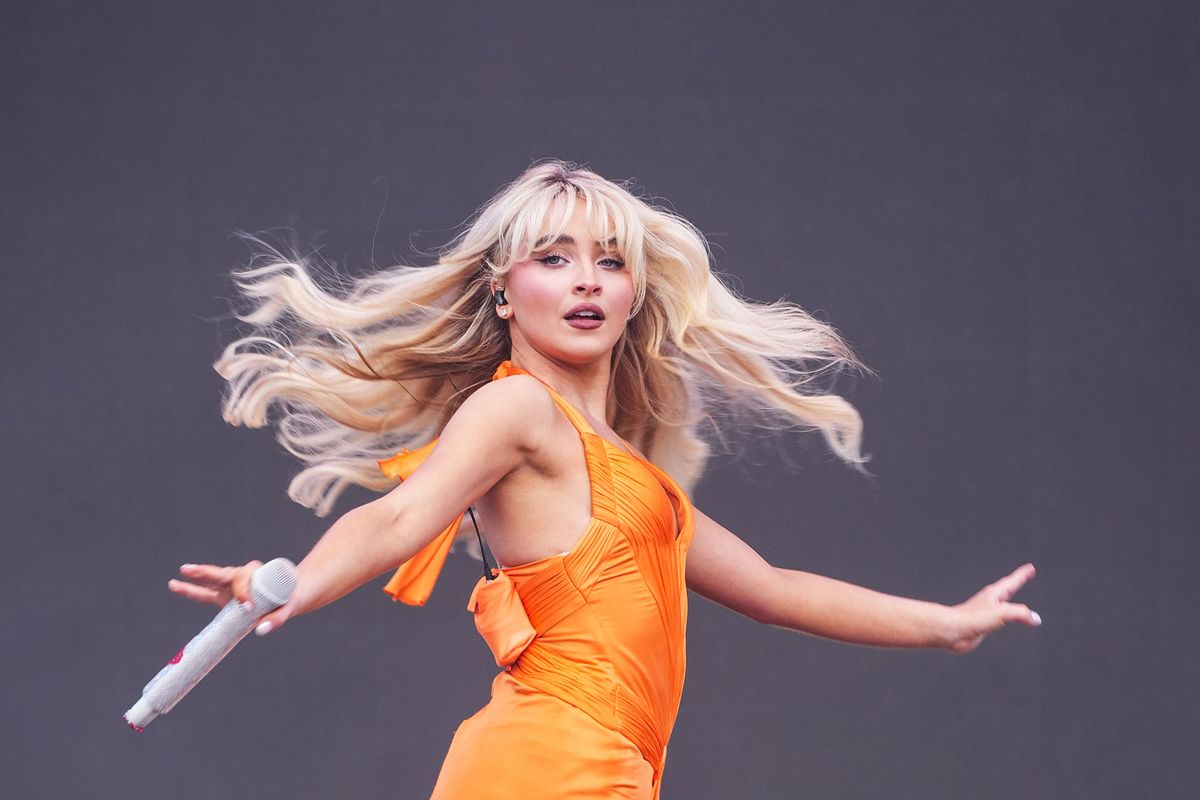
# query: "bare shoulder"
[[496, 432], [518, 407]]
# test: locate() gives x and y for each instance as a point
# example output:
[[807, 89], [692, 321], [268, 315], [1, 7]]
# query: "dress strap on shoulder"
[[507, 368], [414, 580], [604, 503]]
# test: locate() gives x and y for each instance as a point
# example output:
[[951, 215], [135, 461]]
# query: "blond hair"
[[384, 362]]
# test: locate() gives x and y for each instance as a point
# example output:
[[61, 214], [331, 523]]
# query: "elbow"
[[386, 513], [762, 607], [770, 606], [777, 601], [377, 526], [763, 615]]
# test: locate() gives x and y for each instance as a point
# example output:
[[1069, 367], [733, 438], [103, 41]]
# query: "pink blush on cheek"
[[536, 295]]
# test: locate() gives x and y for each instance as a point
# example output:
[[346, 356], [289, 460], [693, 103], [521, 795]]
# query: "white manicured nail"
[[1037, 618], [263, 628]]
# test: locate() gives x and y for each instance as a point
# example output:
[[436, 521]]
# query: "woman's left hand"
[[989, 610]]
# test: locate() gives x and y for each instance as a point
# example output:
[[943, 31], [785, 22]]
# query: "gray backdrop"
[[996, 204]]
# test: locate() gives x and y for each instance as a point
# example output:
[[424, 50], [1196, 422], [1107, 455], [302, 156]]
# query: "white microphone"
[[270, 587]]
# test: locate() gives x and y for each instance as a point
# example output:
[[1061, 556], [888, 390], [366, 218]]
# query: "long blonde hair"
[[356, 372]]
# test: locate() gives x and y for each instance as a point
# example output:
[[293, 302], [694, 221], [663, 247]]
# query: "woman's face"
[[571, 298]]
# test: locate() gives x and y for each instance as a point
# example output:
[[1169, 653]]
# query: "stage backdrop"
[[996, 204]]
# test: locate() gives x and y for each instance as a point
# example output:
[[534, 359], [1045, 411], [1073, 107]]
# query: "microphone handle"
[[206, 649]]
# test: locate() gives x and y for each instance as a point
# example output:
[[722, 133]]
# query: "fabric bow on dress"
[[414, 580], [495, 604]]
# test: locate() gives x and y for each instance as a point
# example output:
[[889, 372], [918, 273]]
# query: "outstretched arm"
[[726, 570], [490, 435]]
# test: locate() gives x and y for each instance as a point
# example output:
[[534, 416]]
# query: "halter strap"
[[600, 483], [414, 580], [508, 368]]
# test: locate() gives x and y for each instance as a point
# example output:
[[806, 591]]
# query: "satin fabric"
[[414, 579], [588, 706]]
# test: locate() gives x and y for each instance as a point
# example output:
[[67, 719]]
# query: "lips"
[[579, 312]]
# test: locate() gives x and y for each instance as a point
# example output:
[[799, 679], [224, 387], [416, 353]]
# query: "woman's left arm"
[[726, 570]]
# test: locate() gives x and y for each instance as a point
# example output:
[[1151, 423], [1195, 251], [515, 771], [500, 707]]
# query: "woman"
[[569, 351]]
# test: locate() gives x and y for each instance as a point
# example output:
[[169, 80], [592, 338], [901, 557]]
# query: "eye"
[[555, 260]]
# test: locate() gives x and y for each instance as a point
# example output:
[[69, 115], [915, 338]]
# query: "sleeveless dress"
[[587, 701]]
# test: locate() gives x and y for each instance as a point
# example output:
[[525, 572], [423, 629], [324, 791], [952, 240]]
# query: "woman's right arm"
[[493, 433]]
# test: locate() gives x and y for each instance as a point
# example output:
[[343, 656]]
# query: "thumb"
[[1018, 612], [275, 620]]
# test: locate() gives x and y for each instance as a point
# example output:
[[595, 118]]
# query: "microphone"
[[270, 587]]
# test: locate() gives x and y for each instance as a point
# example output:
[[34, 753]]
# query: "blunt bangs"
[[547, 212]]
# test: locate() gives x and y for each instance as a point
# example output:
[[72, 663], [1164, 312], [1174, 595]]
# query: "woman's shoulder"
[[514, 391], [519, 402]]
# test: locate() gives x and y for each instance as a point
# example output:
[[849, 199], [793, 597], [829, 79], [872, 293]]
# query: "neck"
[[583, 385]]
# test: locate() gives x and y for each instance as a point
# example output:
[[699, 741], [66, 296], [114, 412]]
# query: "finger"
[[274, 620], [241, 581], [209, 574], [201, 594], [1011, 583], [1017, 612]]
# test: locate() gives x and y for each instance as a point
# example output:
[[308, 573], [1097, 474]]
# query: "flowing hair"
[[354, 372]]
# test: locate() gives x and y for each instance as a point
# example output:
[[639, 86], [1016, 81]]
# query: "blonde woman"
[[554, 377]]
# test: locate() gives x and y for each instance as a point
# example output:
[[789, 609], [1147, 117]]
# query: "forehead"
[[581, 227], [567, 240]]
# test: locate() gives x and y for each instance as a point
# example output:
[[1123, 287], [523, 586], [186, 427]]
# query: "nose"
[[587, 282]]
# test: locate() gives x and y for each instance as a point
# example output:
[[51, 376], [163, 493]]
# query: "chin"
[[574, 347], [588, 356], [580, 355]]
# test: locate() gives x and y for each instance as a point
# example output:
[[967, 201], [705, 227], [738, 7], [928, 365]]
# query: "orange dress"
[[587, 706]]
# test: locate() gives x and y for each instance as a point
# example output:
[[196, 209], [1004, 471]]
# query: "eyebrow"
[[568, 239]]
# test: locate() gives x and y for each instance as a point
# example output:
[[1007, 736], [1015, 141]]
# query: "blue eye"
[[616, 262]]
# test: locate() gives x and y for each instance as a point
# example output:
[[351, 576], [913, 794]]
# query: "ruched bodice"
[[611, 613], [608, 628]]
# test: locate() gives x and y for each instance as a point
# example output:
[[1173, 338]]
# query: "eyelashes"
[[546, 259]]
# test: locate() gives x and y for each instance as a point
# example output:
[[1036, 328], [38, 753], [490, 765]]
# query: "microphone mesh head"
[[272, 584]]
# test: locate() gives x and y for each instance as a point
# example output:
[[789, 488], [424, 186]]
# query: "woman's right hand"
[[219, 585]]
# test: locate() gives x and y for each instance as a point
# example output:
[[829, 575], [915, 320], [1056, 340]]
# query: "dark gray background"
[[996, 204]]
